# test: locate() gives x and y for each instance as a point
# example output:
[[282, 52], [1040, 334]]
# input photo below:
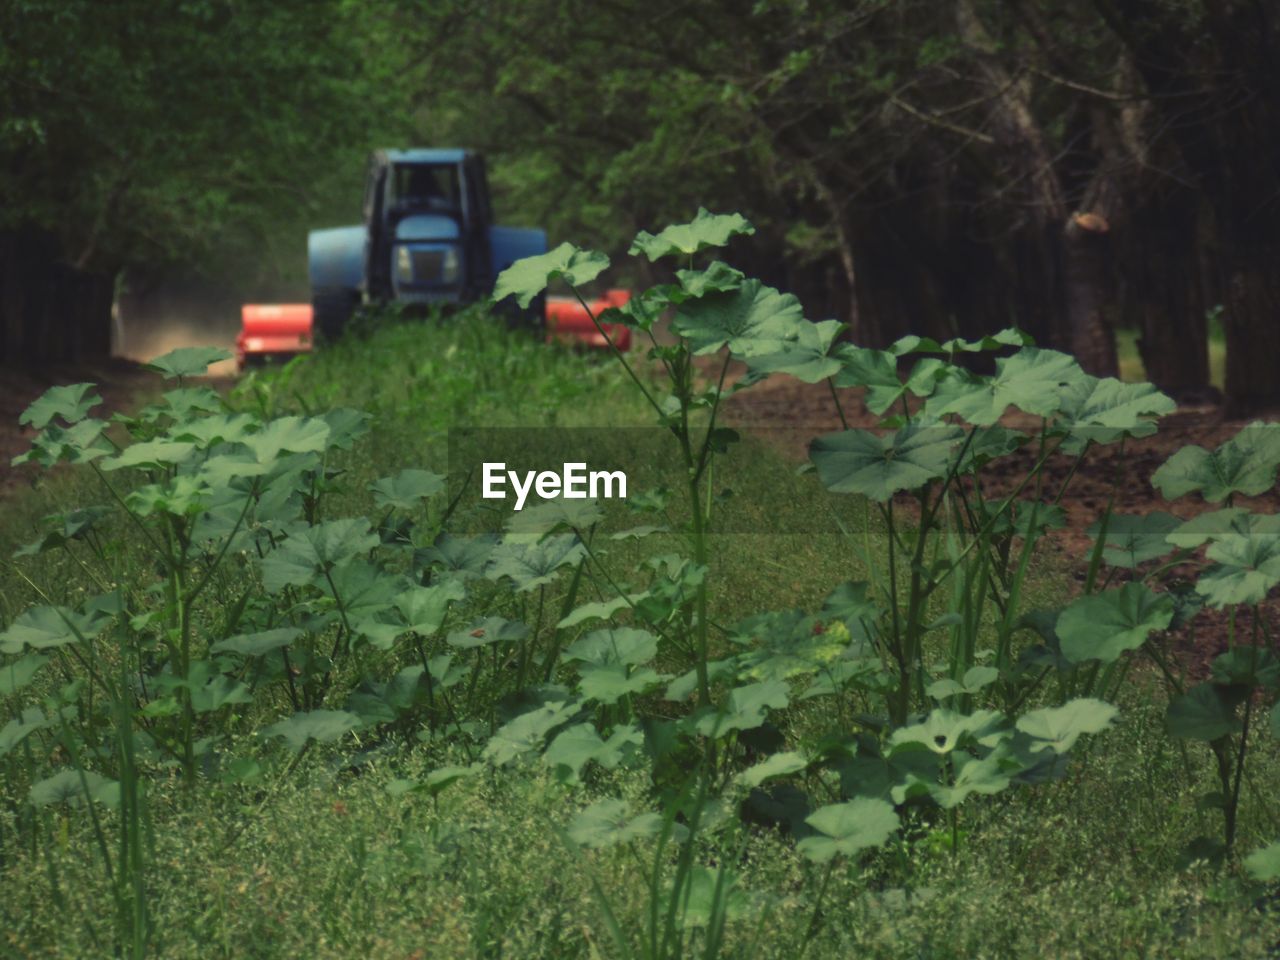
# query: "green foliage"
[[685, 239], [253, 597], [527, 278]]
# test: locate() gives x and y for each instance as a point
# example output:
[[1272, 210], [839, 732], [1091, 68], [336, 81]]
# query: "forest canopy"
[[912, 166]]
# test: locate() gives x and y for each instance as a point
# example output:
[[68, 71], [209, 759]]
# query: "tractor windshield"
[[430, 187]]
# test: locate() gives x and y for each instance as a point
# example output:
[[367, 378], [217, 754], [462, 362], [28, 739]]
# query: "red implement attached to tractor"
[[568, 320], [279, 331], [269, 331]]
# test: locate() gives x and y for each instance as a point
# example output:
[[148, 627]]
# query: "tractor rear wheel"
[[331, 309]]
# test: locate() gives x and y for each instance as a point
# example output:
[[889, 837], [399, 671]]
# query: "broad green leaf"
[[858, 461], [313, 551], [778, 765], [72, 403], [1246, 464], [1133, 539], [69, 786], [609, 822], [944, 730], [912, 343], [984, 775], [1247, 666], [683, 686], [685, 239], [717, 278], [599, 610], [877, 370], [753, 320], [257, 644], [1009, 337], [210, 431], [189, 361], [638, 533], [424, 608], [744, 709], [1264, 864], [442, 673], [576, 746], [847, 828], [218, 693], [531, 564], [150, 453], [230, 469], [1102, 626], [486, 631], [808, 358], [459, 558], [1058, 728], [974, 680], [849, 603], [346, 426], [288, 434], [617, 645], [992, 443], [82, 442], [609, 683], [405, 489], [21, 727], [527, 278], [1205, 712], [559, 514], [1246, 562], [18, 673], [527, 732], [43, 628], [1101, 411], [365, 589], [180, 496], [72, 525], [1192, 533], [322, 726], [1031, 380], [930, 373], [184, 402]]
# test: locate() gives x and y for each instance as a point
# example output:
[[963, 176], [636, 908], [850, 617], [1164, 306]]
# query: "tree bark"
[[49, 311], [1085, 256], [1164, 291], [1251, 324]]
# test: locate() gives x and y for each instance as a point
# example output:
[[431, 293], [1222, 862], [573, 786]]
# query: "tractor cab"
[[427, 215]]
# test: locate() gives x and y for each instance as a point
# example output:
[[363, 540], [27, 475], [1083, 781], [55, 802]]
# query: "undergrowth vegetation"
[[266, 696]]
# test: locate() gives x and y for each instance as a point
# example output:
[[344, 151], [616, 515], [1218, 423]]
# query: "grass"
[[328, 858], [1084, 868]]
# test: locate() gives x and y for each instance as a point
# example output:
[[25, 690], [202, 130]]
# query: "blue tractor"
[[428, 237]]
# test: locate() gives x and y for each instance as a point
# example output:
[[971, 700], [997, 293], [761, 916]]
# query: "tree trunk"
[[1085, 253], [1252, 327], [1165, 292], [49, 311]]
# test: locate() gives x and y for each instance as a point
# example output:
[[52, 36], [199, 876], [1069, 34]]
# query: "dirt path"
[[120, 384]]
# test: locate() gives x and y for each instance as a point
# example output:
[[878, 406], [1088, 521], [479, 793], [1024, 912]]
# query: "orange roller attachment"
[[568, 320], [271, 330]]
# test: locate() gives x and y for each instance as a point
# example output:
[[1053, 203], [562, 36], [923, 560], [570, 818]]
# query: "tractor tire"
[[331, 310], [533, 318]]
